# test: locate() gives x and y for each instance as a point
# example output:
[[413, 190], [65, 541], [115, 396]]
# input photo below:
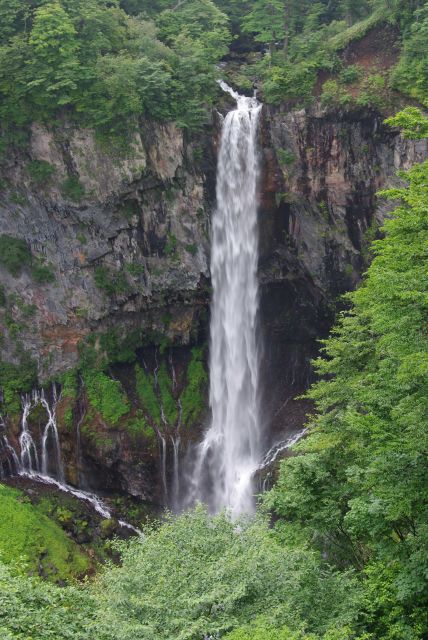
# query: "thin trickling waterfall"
[[163, 449], [230, 452], [50, 470], [175, 470], [50, 433], [29, 456]]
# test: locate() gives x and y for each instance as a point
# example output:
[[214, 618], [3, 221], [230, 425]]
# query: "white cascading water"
[[29, 466], [230, 453]]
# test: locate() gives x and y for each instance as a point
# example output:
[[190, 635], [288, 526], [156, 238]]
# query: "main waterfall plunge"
[[230, 452]]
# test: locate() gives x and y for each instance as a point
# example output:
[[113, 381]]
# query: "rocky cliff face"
[[125, 241], [125, 238], [322, 169]]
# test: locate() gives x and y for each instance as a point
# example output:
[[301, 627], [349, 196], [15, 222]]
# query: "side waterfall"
[[230, 453], [49, 470]]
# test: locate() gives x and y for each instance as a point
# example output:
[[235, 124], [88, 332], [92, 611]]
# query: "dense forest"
[[106, 63], [337, 549]]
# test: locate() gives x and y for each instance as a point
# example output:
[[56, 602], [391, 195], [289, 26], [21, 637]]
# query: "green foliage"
[[40, 172], [192, 249], [290, 81], [265, 631], [266, 21], [358, 30], [42, 273], [105, 68], [16, 379], [196, 576], [53, 63], [144, 384], [411, 73], [136, 270], [27, 534], [413, 123], [372, 91], [285, 157], [138, 426], [72, 189], [333, 93], [14, 254], [171, 245], [193, 396], [356, 489], [350, 74], [34, 610], [118, 348], [112, 283], [106, 396]]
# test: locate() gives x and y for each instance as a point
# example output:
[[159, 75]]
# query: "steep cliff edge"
[[114, 276]]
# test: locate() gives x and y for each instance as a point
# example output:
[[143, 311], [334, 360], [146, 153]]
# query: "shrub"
[[198, 576], [289, 82], [171, 245], [14, 254], [138, 426], [136, 270], [42, 273], [106, 396], [192, 249], [349, 74], [33, 609], [16, 379], [72, 188], [40, 171], [110, 282], [334, 94], [372, 92], [285, 157], [2, 296]]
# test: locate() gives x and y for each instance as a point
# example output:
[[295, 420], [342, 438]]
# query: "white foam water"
[[230, 452]]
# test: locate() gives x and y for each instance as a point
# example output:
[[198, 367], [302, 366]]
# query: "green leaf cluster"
[[106, 396], [103, 68]]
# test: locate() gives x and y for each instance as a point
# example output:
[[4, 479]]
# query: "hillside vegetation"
[[104, 63]]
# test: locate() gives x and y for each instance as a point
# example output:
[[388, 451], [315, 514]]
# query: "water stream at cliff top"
[[230, 452]]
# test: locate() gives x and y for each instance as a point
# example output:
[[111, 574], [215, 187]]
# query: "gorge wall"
[[119, 264]]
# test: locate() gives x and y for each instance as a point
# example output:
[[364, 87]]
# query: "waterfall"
[[175, 470], [163, 449], [230, 452], [51, 431], [29, 456]]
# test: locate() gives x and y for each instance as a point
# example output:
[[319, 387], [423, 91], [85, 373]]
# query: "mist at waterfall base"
[[230, 452]]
